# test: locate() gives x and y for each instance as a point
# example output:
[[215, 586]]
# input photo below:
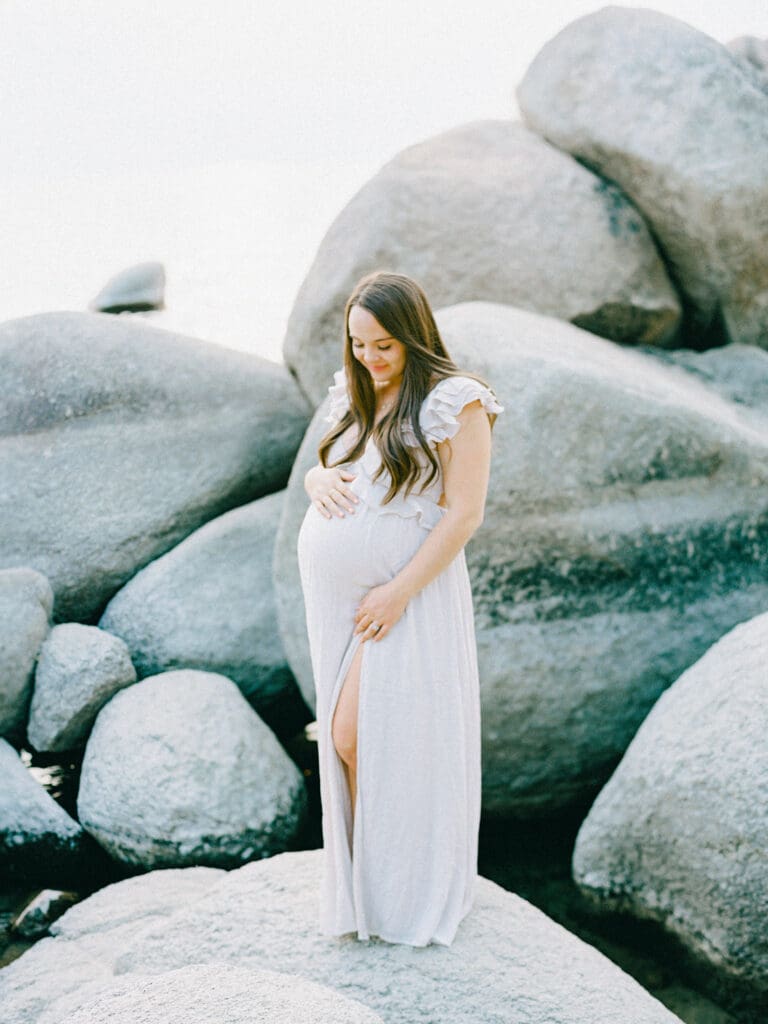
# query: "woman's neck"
[[383, 386]]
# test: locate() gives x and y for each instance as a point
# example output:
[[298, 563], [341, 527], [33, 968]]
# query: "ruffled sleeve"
[[339, 397], [439, 411]]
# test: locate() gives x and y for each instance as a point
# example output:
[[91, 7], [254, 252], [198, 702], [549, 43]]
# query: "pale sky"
[[91, 85]]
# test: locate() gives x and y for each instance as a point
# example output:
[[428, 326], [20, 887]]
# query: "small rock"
[[38, 915], [136, 288], [79, 669]]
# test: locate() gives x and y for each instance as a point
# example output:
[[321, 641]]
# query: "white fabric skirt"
[[406, 871]]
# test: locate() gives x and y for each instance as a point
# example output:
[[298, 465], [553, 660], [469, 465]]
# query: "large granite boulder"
[[36, 833], [625, 531], [752, 50], [680, 832], [180, 770], [681, 125], [79, 669], [480, 212], [118, 439], [209, 604], [140, 287], [26, 606], [509, 961]]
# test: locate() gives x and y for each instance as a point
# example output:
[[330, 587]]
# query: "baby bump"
[[362, 548]]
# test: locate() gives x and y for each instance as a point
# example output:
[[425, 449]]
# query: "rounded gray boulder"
[[480, 212], [680, 832], [180, 770], [681, 125], [79, 669], [209, 604], [117, 440]]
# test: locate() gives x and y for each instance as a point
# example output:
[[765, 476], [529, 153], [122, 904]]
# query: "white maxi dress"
[[406, 871]]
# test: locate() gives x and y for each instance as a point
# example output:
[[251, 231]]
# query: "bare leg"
[[352, 783], [344, 724]]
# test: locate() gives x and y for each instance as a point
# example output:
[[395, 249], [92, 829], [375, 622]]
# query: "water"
[[236, 239]]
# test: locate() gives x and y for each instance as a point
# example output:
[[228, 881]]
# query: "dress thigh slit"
[[340, 773]]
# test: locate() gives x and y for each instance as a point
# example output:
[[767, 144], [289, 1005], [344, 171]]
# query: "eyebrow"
[[388, 338]]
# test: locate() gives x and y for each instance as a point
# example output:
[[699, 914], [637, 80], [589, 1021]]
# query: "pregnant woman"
[[398, 491]]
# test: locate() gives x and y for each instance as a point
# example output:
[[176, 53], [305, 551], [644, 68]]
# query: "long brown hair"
[[399, 304]]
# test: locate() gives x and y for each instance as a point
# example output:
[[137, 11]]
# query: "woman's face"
[[381, 354]]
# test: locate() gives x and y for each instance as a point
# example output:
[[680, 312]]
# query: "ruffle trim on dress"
[[446, 400], [339, 397], [419, 506], [438, 415]]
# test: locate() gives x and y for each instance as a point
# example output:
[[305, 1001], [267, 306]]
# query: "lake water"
[[236, 240]]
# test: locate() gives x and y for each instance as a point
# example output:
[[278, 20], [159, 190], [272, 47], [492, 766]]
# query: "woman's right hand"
[[328, 491]]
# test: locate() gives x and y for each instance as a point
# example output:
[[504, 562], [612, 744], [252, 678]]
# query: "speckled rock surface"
[[209, 604], [213, 993], [180, 770], [118, 439], [738, 373], [752, 50], [509, 960], [680, 832], [681, 125], [79, 669]]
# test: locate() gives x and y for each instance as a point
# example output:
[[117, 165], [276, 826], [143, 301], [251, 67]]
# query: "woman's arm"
[[466, 463]]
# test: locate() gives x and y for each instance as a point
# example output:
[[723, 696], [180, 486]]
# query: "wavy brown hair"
[[399, 304]]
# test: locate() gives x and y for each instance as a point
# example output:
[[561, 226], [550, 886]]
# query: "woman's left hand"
[[383, 605]]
